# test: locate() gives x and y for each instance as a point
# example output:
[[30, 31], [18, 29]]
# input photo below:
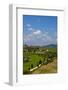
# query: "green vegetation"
[[33, 56]]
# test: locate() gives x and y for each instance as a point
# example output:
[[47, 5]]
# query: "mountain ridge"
[[47, 46], [51, 46]]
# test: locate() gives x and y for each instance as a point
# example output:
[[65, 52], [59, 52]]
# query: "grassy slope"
[[34, 59]]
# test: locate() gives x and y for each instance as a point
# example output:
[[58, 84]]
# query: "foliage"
[[33, 56]]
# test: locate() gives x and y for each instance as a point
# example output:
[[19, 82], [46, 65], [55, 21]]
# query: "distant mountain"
[[51, 46], [46, 46]]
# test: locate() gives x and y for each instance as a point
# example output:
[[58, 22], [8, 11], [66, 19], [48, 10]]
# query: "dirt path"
[[34, 68], [49, 68]]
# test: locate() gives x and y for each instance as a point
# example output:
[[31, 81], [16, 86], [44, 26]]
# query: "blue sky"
[[39, 30]]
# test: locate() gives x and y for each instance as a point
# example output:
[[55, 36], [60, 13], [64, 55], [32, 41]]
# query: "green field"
[[32, 58]]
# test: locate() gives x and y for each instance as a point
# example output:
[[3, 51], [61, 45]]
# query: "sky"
[[39, 30]]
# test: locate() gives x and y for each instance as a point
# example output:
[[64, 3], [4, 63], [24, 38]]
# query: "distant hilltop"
[[51, 46], [47, 46]]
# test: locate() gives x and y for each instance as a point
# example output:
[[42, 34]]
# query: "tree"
[[40, 62], [37, 64], [29, 68], [31, 65]]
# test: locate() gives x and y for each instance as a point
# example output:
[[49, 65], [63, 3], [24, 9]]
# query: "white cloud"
[[37, 32], [28, 25], [37, 37], [31, 29]]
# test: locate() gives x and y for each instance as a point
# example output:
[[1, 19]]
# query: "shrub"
[[29, 68], [31, 65], [37, 65], [40, 62]]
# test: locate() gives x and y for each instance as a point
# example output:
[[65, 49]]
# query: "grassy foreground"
[[45, 56]]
